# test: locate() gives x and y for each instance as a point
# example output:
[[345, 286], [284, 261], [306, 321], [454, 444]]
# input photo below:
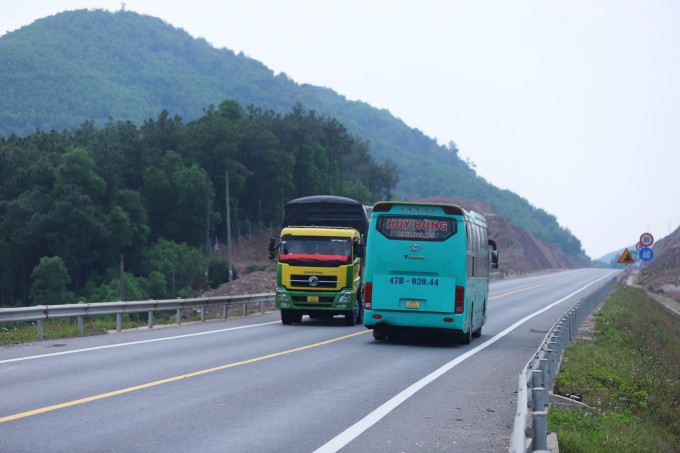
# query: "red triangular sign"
[[626, 258]]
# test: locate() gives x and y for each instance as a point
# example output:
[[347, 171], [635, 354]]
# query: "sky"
[[572, 105]]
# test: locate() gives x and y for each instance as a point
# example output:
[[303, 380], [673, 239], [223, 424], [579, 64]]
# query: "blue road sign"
[[646, 254]]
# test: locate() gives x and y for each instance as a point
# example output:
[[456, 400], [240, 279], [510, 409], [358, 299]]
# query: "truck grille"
[[324, 281]]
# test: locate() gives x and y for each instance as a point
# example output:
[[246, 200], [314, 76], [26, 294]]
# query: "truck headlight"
[[281, 296], [346, 297]]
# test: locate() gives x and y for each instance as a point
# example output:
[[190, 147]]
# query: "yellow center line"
[[170, 379], [517, 291]]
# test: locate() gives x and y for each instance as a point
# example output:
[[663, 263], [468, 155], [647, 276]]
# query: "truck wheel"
[[360, 305], [356, 316], [350, 318], [290, 316], [285, 317]]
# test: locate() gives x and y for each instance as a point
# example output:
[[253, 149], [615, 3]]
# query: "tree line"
[[78, 205]]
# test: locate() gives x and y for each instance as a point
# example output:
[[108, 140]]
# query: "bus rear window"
[[420, 228]]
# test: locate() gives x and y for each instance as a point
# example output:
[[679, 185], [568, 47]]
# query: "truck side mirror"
[[358, 249], [494, 254], [272, 248]]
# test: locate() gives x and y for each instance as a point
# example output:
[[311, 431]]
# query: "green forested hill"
[[78, 66]]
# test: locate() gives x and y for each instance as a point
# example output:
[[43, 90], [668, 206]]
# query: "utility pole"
[[207, 231], [231, 269], [121, 284]]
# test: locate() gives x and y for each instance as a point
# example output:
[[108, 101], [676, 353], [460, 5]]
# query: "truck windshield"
[[315, 249]]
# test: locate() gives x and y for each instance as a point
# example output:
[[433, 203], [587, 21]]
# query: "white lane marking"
[[42, 356], [362, 425]]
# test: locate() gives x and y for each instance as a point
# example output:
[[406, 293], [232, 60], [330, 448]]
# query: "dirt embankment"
[[662, 274], [256, 274]]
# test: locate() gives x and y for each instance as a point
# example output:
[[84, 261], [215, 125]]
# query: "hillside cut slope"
[[662, 274]]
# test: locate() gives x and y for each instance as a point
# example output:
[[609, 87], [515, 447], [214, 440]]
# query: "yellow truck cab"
[[319, 269]]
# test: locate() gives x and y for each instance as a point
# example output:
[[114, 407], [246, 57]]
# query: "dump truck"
[[319, 256]]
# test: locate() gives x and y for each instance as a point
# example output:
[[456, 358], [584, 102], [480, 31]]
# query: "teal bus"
[[427, 268]]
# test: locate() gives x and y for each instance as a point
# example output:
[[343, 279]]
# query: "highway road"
[[253, 384]]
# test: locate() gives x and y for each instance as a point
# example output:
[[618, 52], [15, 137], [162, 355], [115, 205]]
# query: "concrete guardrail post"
[[543, 365], [550, 353], [539, 421], [538, 396], [536, 378]]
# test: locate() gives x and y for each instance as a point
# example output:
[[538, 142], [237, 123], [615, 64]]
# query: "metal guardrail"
[[530, 430], [41, 312]]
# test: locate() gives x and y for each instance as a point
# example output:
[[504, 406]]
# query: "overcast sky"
[[573, 105]]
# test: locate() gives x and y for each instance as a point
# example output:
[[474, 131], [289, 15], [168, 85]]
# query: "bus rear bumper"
[[413, 320]]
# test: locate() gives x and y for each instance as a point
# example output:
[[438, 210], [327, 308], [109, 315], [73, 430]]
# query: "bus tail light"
[[460, 300], [368, 296], [454, 210], [382, 207]]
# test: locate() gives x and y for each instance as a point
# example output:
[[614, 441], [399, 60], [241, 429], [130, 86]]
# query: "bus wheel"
[[379, 334], [477, 333], [467, 336]]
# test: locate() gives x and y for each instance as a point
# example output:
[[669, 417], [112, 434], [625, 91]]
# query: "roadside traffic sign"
[[646, 254], [646, 239], [626, 258]]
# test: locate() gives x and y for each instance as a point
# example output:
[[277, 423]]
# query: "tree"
[[179, 264], [77, 169], [49, 282]]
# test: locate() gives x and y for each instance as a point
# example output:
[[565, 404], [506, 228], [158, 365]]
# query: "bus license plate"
[[312, 298], [412, 304]]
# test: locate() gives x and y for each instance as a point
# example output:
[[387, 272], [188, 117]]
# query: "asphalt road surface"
[[255, 385]]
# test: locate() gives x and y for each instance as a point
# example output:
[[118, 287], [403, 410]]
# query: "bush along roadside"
[[629, 378]]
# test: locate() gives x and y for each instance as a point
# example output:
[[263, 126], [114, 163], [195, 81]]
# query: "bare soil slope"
[[662, 274]]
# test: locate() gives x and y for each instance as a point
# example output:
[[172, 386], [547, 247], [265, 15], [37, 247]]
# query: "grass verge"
[[629, 376]]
